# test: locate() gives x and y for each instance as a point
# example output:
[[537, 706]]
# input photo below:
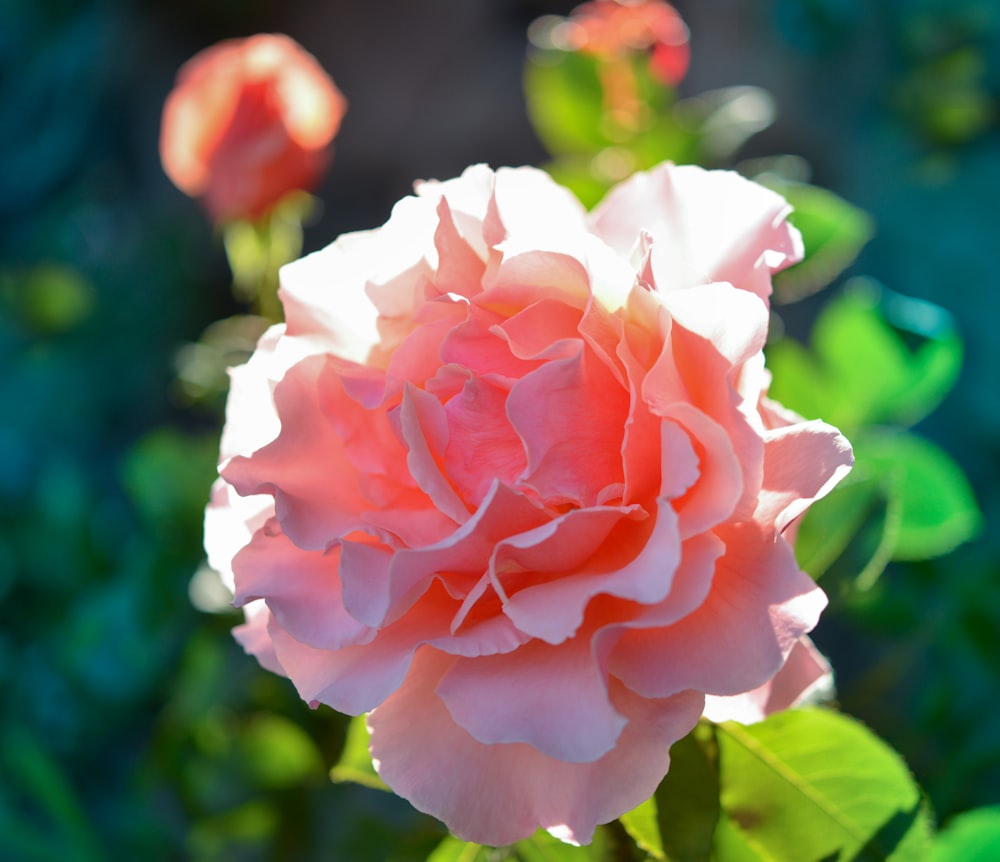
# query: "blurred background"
[[131, 725]]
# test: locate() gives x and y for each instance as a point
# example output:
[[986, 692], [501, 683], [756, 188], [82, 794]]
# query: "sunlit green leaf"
[[814, 784], [565, 101], [833, 231], [862, 371], [355, 762], [732, 844], [799, 381], [687, 800], [937, 509], [643, 825], [971, 837], [877, 377], [596, 143], [540, 847], [832, 522], [454, 849], [278, 753], [935, 362]]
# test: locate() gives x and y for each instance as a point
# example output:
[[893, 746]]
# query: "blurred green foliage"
[[597, 141], [970, 837], [132, 727], [905, 499]]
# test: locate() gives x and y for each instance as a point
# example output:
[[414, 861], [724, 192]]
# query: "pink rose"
[[613, 29], [508, 480], [248, 122]]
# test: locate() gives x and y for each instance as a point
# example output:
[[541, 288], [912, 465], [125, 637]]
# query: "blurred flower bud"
[[611, 29], [248, 122]]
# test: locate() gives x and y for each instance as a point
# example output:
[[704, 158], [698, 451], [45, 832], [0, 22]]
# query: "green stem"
[[621, 848]]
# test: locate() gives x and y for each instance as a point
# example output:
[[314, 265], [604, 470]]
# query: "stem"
[[621, 848]]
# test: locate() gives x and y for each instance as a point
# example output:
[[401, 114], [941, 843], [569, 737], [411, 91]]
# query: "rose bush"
[[509, 481], [248, 121], [613, 29]]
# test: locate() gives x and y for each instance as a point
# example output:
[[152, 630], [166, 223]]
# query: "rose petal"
[[537, 212], [760, 604], [468, 550], [554, 698], [706, 226], [324, 297], [542, 326], [301, 588], [460, 268], [525, 277], [804, 673], [483, 446], [307, 468], [253, 636], [482, 348], [251, 421], [574, 444], [230, 522], [693, 443], [594, 552], [498, 794], [802, 463], [424, 426], [357, 678], [418, 357]]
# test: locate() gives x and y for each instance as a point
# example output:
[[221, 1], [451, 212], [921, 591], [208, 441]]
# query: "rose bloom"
[[248, 121], [610, 29], [508, 480]]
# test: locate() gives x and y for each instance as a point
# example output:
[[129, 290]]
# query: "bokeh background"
[[131, 726]]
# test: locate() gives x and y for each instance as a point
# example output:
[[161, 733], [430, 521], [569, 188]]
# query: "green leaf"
[[814, 784], [833, 232], [565, 101], [831, 523], [355, 761], [596, 144], [878, 378], [937, 508], [454, 849], [278, 753], [799, 381], [540, 847], [970, 837], [861, 370], [687, 800], [935, 363], [732, 844], [643, 825]]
